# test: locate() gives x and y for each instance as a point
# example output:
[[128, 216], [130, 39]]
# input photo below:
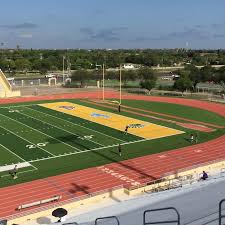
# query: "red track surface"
[[140, 170]]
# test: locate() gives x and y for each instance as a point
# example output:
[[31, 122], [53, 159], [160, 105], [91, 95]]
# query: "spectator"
[[204, 175]]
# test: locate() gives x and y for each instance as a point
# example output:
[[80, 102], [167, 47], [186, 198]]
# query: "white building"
[[128, 66]]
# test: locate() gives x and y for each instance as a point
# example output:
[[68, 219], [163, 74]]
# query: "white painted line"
[[75, 124], [59, 127], [39, 131], [26, 140], [12, 166], [89, 150], [15, 154]]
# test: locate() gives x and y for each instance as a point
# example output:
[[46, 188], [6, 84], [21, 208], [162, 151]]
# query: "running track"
[[138, 170]]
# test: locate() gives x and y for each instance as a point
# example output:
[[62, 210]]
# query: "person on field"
[[119, 150], [204, 176], [13, 172], [119, 108], [191, 138], [126, 129]]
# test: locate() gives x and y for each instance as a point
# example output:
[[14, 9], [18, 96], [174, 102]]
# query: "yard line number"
[[37, 145], [86, 137]]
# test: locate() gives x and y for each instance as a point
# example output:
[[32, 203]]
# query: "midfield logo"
[[136, 125], [99, 115], [67, 107]]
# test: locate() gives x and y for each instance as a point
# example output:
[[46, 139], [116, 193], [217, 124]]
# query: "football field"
[[33, 133]]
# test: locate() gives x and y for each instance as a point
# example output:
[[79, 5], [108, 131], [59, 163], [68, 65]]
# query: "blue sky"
[[112, 23]]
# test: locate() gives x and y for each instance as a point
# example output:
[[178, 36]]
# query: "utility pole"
[[63, 69], [103, 82]]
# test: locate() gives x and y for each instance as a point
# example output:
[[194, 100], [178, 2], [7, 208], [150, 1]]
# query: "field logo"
[[99, 115], [67, 107], [136, 125]]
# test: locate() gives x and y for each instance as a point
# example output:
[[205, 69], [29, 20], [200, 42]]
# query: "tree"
[[23, 65], [148, 84], [193, 74], [148, 78], [82, 76], [183, 84], [128, 75], [146, 74], [207, 73]]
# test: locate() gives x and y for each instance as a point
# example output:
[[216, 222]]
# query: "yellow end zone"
[[136, 127]]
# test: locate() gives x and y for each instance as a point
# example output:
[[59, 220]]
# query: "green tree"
[[146, 74], [128, 75], [193, 73], [81, 76], [148, 84], [23, 65], [207, 73], [183, 84]]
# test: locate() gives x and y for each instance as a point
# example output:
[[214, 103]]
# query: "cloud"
[[187, 33], [26, 35], [200, 26], [20, 26], [190, 33], [87, 31], [219, 35], [218, 25], [108, 34]]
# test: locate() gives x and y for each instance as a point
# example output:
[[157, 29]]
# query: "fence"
[[162, 216], [165, 182]]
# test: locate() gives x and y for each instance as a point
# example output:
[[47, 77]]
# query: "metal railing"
[[176, 220], [220, 212], [107, 219]]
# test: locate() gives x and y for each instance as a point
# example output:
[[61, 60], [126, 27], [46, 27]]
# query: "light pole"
[[63, 69], [120, 83], [103, 82]]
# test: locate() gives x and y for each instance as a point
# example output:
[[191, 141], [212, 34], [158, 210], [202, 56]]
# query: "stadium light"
[[103, 82], [120, 82], [63, 69]]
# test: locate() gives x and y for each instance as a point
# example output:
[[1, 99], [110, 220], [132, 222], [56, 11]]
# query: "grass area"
[[178, 110], [57, 143]]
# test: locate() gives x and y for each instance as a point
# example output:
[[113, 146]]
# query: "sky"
[[112, 24]]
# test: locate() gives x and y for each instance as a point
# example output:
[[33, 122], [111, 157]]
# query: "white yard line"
[[26, 140], [90, 150], [15, 154], [39, 131], [59, 127], [75, 124]]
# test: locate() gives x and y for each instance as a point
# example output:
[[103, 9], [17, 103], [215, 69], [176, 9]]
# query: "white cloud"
[[26, 35]]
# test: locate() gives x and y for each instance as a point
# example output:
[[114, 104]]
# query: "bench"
[[37, 203]]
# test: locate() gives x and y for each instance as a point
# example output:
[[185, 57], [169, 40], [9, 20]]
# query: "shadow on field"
[[74, 141], [126, 165]]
